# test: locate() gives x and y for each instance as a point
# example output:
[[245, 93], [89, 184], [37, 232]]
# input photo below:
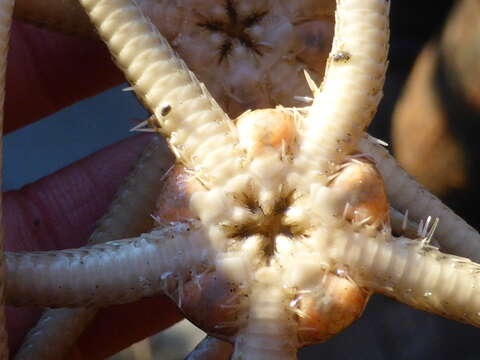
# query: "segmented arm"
[[55, 333], [453, 234], [199, 132], [346, 101], [116, 272], [269, 330], [414, 273], [6, 9], [129, 213], [128, 216], [211, 348]]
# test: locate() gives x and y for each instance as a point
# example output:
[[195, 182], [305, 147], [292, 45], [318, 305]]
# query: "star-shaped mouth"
[[236, 28], [267, 226]]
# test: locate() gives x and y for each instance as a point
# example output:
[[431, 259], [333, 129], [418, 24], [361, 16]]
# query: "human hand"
[[47, 72]]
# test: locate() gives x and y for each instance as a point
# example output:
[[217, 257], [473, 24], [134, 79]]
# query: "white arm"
[[111, 273], [347, 100]]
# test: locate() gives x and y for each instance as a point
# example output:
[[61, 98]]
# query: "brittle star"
[[274, 187]]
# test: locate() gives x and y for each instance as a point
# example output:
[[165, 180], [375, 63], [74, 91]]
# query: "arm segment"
[[347, 99], [203, 140], [416, 274], [112, 273], [453, 234]]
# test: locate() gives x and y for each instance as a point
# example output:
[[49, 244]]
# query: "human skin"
[[55, 70], [70, 199]]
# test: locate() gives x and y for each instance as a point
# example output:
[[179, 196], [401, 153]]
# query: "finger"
[[48, 71], [60, 210], [117, 327]]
